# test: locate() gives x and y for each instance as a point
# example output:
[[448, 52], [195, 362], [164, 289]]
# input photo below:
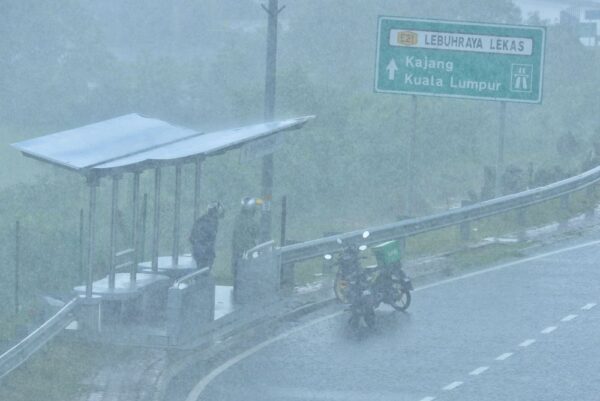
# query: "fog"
[[201, 64]]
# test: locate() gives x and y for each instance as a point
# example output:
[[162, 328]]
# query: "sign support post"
[[466, 60], [410, 161], [460, 59], [500, 156]]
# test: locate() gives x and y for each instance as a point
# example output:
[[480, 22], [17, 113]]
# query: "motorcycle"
[[355, 288], [387, 282]]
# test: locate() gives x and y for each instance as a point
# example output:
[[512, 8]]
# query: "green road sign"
[[460, 59]]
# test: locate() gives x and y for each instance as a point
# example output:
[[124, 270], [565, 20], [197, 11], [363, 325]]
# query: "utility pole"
[[176, 28], [272, 11]]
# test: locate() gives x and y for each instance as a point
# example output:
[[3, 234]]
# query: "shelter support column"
[[113, 231], [93, 184], [197, 184], [176, 217], [156, 227], [135, 227]]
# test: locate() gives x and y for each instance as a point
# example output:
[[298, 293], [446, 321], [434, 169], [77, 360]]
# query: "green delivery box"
[[387, 253]]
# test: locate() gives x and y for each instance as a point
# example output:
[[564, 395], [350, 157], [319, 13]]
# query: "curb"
[[218, 345], [225, 338]]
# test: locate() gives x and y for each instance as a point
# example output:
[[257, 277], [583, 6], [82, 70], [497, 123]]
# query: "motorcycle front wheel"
[[356, 320], [400, 297]]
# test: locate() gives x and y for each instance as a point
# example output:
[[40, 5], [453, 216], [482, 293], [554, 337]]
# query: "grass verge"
[[57, 372]]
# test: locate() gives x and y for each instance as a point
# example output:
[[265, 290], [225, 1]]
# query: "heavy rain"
[[282, 200]]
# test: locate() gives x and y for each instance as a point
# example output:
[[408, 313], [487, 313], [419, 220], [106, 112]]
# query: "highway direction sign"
[[460, 59]]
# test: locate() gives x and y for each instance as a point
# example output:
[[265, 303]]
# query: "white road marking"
[[568, 318], [510, 264], [527, 343], [504, 356], [588, 306], [201, 385], [205, 381], [452, 386], [428, 399], [548, 330], [479, 371]]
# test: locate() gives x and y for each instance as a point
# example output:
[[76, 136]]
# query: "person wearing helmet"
[[245, 234], [204, 235]]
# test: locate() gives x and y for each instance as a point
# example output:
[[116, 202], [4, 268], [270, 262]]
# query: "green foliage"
[[36, 380], [201, 64], [485, 256]]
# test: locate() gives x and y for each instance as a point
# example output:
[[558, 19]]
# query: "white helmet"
[[249, 203]]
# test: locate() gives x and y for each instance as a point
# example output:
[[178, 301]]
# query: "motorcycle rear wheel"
[[400, 298]]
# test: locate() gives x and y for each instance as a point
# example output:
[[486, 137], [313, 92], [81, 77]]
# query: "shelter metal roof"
[[131, 141]]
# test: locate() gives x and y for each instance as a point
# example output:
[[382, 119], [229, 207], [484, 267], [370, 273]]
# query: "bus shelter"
[[133, 144]]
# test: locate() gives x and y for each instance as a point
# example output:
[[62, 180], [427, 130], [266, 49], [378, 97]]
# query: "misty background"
[[201, 64]]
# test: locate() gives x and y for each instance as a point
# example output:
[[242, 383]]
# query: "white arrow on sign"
[[392, 68]]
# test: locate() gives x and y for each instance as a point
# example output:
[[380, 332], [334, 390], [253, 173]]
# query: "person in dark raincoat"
[[204, 235]]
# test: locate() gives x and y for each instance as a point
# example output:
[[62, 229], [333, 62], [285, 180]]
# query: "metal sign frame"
[[463, 61]]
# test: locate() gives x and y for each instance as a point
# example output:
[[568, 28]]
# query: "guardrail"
[[185, 280], [314, 248], [18, 354], [190, 306], [14, 357]]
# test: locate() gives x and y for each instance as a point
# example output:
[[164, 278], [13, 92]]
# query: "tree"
[[53, 61]]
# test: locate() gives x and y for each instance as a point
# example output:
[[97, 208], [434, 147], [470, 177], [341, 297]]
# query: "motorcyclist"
[[204, 233], [245, 234]]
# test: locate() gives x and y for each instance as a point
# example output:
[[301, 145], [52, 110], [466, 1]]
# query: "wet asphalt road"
[[530, 331]]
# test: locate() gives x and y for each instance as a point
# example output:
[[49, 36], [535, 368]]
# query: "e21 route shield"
[[460, 59]]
